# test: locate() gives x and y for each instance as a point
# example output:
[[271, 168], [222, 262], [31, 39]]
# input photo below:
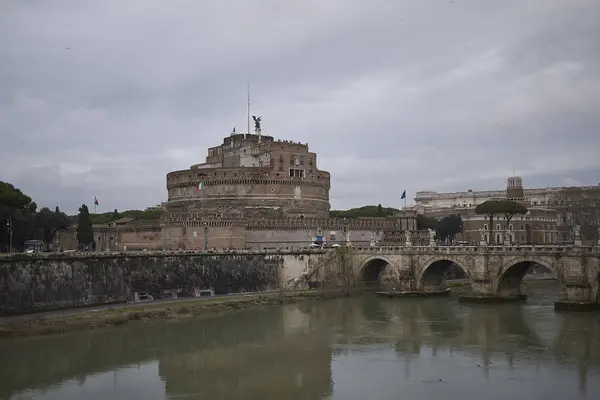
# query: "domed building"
[[249, 176]]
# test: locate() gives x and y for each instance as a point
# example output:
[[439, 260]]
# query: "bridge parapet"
[[503, 250], [156, 253]]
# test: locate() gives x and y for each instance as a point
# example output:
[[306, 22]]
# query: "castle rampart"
[[251, 175]]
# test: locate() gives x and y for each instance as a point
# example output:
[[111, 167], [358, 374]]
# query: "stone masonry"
[[65, 280], [54, 280]]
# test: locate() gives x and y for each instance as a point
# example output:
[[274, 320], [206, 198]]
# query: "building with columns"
[[538, 226]]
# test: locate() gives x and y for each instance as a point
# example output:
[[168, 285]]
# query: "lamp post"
[[9, 226]]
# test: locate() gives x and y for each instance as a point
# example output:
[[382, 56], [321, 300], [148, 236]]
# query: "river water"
[[352, 348]]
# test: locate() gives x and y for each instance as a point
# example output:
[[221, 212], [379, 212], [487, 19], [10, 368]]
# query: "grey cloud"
[[392, 95]]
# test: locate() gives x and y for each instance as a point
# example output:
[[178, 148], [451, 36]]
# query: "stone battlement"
[[241, 176], [323, 223], [186, 219]]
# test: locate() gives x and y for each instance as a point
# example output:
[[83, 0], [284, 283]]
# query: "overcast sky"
[[103, 98]]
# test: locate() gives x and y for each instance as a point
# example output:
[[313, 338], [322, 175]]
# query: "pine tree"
[[85, 233]]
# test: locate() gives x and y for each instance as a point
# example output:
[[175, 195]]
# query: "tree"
[[50, 222], [85, 232], [115, 215], [425, 222], [511, 208], [492, 208], [19, 209], [361, 212], [11, 197], [379, 210], [448, 227]]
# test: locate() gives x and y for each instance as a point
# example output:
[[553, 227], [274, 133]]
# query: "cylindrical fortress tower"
[[252, 175]]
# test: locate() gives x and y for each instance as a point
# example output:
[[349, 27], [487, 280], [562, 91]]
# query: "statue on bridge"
[[482, 241], [577, 235], [431, 237], [407, 235], [507, 237]]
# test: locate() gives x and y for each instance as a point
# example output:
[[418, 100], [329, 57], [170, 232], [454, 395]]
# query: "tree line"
[[20, 216]]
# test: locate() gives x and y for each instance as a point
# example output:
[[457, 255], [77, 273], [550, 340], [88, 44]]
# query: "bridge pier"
[[495, 273], [580, 295], [483, 292]]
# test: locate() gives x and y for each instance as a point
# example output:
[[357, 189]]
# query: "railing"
[[555, 249], [157, 253], [552, 249]]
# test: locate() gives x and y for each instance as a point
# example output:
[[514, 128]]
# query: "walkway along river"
[[351, 348]]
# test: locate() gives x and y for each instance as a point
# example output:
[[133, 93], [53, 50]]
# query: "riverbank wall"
[[55, 281]]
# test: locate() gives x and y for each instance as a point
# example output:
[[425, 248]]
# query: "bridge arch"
[[511, 273], [431, 274], [371, 269]]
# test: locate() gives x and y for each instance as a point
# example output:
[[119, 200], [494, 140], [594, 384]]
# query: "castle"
[[252, 191]]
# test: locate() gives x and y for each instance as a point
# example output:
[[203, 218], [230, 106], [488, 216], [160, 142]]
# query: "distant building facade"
[[552, 211]]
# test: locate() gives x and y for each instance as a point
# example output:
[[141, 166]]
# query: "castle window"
[[210, 153], [310, 162], [296, 173]]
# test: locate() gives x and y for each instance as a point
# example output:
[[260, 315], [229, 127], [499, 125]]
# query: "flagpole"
[[248, 110]]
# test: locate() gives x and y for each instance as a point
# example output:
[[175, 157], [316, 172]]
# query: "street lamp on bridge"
[[9, 227]]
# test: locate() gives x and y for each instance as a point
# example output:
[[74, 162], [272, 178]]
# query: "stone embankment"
[[50, 281]]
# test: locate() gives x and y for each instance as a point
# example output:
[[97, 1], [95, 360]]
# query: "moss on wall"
[[28, 284]]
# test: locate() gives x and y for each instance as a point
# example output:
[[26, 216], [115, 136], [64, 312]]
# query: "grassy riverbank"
[[48, 324], [40, 324]]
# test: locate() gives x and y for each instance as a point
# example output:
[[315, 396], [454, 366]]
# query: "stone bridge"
[[52, 280], [493, 271]]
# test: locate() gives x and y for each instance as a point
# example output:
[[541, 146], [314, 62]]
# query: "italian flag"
[[200, 186]]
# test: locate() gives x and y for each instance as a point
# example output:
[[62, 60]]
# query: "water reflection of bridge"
[[290, 348], [505, 331]]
